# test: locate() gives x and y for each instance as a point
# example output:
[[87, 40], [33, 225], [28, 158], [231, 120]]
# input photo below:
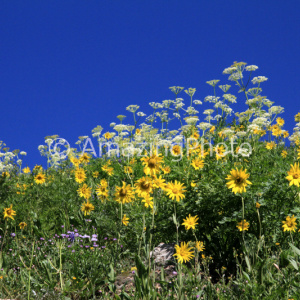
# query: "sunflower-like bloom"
[[128, 170], [75, 161], [101, 189], [5, 174], [80, 175], [38, 168], [84, 191], [166, 170], [294, 175], [124, 194], [95, 174], [280, 121], [22, 225], [202, 153], [40, 178], [148, 201], [138, 131], [108, 169], [289, 224], [26, 170], [298, 153], [220, 152], [197, 163], [284, 153], [125, 220], [107, 135], [285, 133], [9, 212], [243, 225], [270, 145], [84, 158], [159, 182], [237, 180], [87, 207], [190, 222], [175, 190], [277, 131], [200, 246], [152, 164], [144, 186], [176, 150], [184, 253]]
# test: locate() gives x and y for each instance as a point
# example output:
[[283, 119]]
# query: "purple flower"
[[13, 234], [71, 236], [73, 251], [105, 238], [87, 246], [63, 235], [95, 245], [42, 239], [114, 239], [62, 226], [94, 238], [174, 273], [103, 247]]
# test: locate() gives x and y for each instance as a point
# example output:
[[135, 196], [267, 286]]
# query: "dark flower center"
[[123, 192]]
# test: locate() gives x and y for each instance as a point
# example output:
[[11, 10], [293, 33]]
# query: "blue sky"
[[68, 66]]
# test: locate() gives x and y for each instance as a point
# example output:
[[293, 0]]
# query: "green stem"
[[176, 222], [29, 276], [60, 267]]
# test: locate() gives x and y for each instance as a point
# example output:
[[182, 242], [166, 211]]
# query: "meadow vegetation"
[[223, 186]]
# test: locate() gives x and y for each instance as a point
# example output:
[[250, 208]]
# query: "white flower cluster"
[[259, 79], [211, 99], [275, 110], [230, 98], [230, 70], [197, 102], [261, 121], [251, 68], [235, 76], [204, 126], [132, 108]]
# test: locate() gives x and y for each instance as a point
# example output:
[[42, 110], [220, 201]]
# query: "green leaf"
[[248, 263], [295, 249], [246, 276], [294, 263], [174, 219]]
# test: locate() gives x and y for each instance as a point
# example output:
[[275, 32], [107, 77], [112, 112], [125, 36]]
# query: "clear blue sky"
[[68, 66]]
